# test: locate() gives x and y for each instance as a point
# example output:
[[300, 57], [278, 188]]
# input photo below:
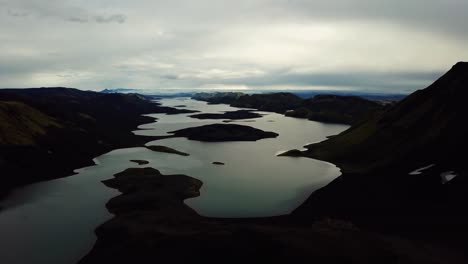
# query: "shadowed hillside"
[[336, 109], [404, 169], [48, 132], [322, 108], [21, 124]]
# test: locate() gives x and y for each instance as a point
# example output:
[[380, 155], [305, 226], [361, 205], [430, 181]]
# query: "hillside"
[[21, 124], [404, 169], [49, 132], [218, 97], [322, 108], [336, 109]]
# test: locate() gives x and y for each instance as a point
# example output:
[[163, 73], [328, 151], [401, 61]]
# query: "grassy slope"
[[21, 124], [426, 125]]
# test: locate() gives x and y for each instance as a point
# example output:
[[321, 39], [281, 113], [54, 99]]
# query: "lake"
[[54, 221]]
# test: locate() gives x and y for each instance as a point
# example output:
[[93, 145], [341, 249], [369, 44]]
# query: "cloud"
[[61, 10], [170, 77], [221, 74], [78, 19], [377, 45], [117, 18], [397, 82], [17, 13]]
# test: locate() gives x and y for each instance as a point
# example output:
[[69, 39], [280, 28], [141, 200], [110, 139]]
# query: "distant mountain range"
[[305, 94], [118, 90]]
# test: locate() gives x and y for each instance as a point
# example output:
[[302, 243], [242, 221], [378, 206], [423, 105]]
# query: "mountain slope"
[[426, 125], [49, 132], [21, 124], [336, 109], [381, 185]]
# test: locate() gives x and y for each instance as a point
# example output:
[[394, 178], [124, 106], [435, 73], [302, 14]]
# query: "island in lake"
[[221, 133], [234, 115], [167, 150]]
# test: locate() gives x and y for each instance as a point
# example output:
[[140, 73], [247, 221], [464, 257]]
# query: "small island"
[[140, 162], [291, 153], [147, 188], [223, 132], [165, 149], [178, 111], [233, 115]]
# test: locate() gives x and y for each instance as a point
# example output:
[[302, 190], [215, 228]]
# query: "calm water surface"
[[54, 221]]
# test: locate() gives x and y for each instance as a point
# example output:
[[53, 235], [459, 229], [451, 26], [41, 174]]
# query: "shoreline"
[[136, 141], [152, 223], [168, 230]]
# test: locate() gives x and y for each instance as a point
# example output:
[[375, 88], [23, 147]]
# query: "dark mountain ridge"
[[323, 108], [336, 109], [381, 186]]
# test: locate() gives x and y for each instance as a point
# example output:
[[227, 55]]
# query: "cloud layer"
[[382, 46]]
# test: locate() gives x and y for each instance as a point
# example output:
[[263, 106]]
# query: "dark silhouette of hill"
[[336, 109], [380, 186], [322, 108], [223, 132], [48, 132], [232, 115]]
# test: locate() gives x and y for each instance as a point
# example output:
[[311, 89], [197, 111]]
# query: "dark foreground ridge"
[[221, 133], [46, 133], [405, 169], [153, 224]]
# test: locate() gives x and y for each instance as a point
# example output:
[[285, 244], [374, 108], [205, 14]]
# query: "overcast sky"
[[372, 45]]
